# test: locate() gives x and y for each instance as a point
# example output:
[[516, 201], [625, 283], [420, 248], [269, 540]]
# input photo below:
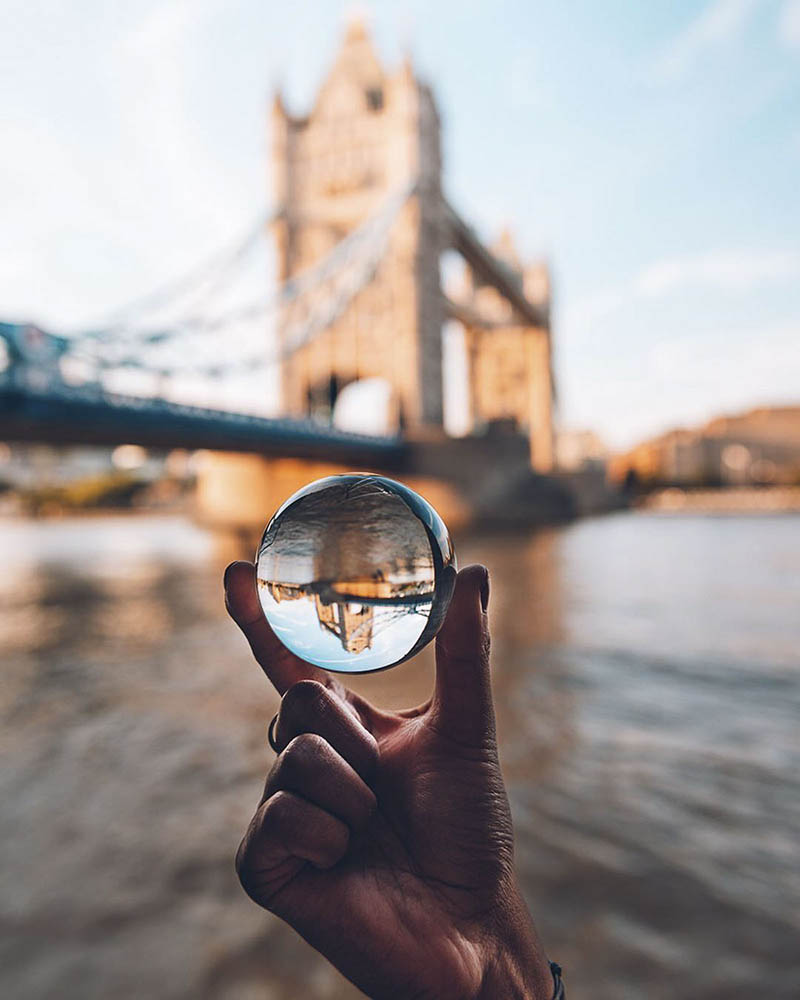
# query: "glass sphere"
[[355, 572]]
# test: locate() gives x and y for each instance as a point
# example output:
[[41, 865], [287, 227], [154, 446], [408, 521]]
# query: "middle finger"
[[309, 766], [310, 707]]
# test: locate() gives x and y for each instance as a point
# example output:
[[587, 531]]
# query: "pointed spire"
[[355, 68], [357, 54], [405, 71], [356, 30], [278, 105], [505, 248]]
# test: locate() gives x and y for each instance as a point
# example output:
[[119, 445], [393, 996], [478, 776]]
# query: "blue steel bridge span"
[[75, 416]]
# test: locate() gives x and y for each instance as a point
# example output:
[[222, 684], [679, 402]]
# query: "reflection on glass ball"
[[355, 572]]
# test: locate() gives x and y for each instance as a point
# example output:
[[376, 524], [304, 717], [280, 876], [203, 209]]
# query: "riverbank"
[[731, 500]]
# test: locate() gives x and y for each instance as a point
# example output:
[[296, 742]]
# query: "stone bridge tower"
[[509, 358], [369, 134]]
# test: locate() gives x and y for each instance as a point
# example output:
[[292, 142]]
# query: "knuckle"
[[304, 696], [310, 745], [301, 752], [278, 811]]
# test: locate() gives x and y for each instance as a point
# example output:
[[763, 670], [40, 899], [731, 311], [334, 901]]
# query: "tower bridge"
[[371, 133], [360, 230]]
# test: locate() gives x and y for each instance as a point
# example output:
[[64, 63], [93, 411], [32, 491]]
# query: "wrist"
[[516, 965], [512, 977]]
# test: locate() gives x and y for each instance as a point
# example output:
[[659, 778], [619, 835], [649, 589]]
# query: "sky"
[[649, 151]]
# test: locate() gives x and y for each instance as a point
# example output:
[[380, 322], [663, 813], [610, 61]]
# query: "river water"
[[647, 681]]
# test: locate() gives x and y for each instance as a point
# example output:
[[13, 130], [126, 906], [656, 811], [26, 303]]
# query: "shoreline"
[[731, 500], [95, 513], [744, 500]]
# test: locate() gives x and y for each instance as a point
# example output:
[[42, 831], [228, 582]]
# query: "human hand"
[[385, 838]]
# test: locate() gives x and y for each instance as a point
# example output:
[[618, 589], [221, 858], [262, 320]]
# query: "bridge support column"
[[540, 422], [238, 493]]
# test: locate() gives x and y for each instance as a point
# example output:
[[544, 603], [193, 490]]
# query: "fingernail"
[[485, 592], [226, 575]]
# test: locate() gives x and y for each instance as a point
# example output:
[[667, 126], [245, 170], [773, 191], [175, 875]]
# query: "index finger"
[[280, 665]]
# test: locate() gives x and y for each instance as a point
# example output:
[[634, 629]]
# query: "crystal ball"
[[355, 572]]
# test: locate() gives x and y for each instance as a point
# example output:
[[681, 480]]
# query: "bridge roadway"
[[61, 414]]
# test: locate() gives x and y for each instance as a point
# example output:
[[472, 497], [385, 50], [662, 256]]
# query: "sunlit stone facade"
[[371, 134]]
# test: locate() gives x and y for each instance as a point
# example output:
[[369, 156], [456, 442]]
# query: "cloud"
[[727, 270], [789, 24], [106, 199], [680, 379], [586, 312], [729, 370], [153, 69], [750, 362], [686, 381], [717, 23]]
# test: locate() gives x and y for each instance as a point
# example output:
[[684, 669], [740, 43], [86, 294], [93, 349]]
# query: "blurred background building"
[[760, 447]]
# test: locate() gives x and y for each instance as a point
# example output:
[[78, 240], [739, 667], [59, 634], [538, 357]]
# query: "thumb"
[[462, 702]]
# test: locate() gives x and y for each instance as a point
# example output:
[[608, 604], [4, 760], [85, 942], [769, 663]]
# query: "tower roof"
[[505, 248], [356, 67]]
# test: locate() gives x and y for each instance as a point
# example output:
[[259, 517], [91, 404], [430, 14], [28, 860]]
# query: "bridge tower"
[[509, 357], [369, 135]]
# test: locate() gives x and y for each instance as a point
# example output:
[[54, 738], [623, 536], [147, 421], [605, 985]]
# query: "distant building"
[[580, 450], [761, 446]]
